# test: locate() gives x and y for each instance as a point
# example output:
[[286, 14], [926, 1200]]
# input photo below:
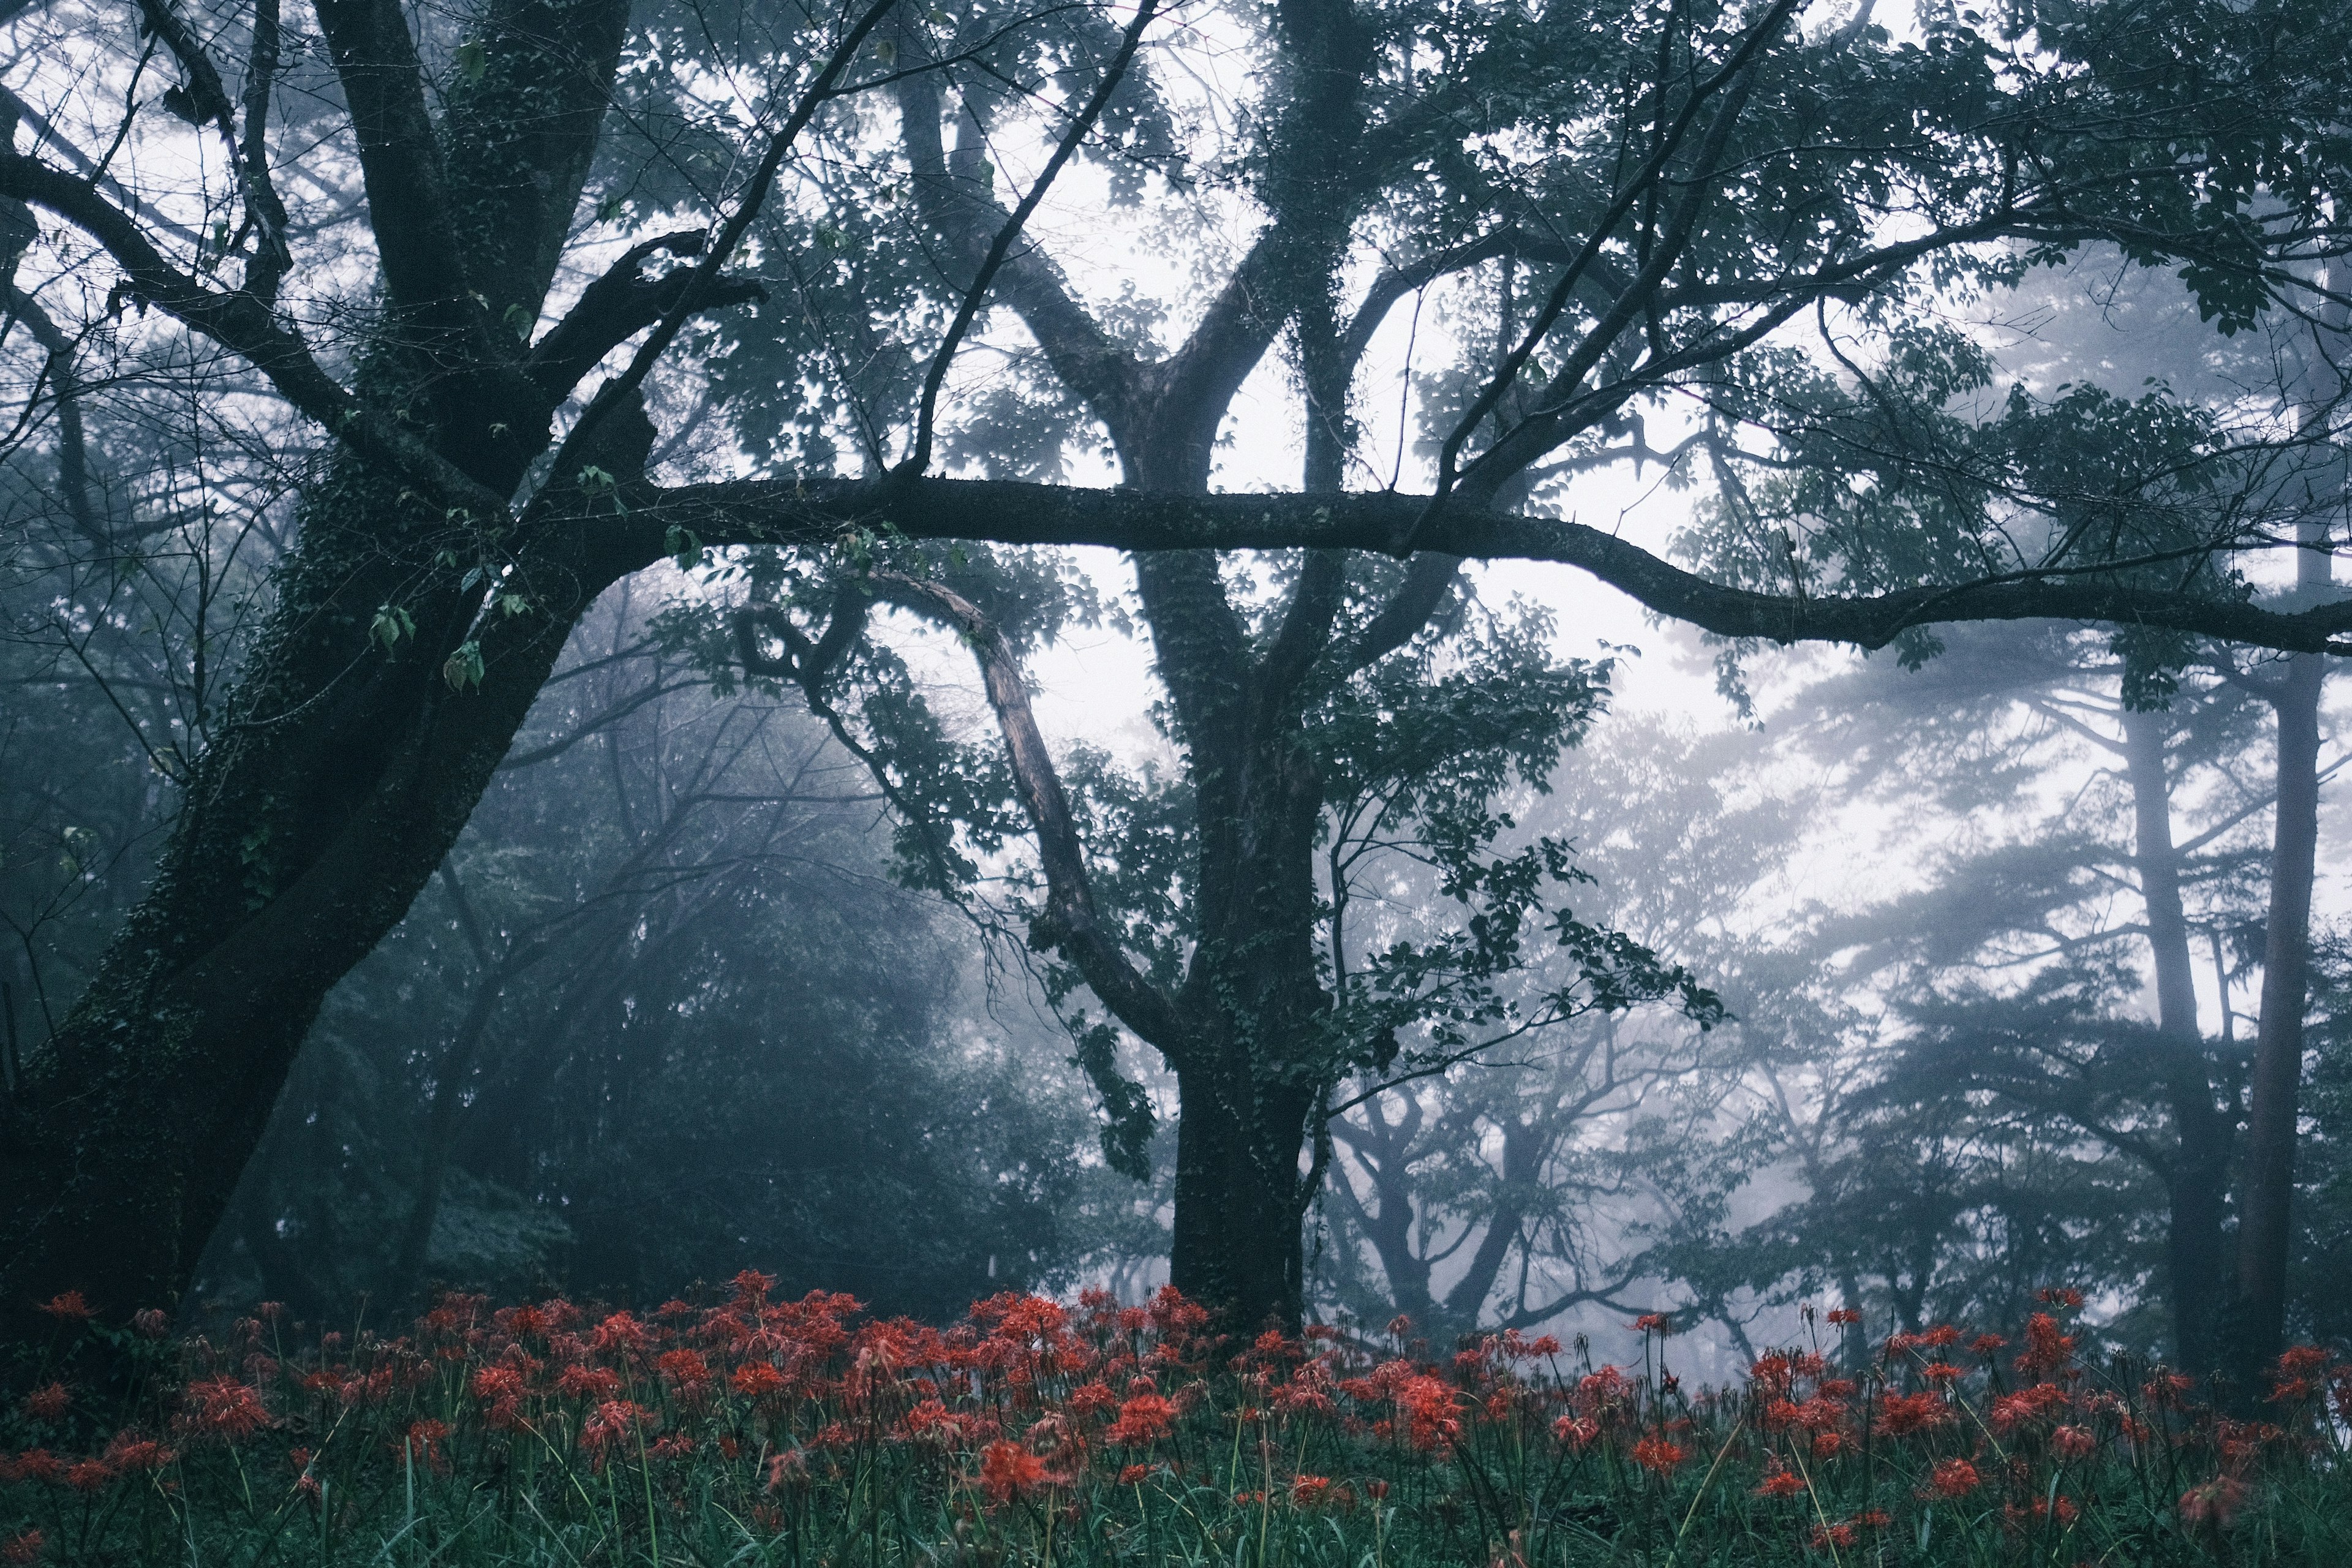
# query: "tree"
[[1508, 1191], [1687, 186]]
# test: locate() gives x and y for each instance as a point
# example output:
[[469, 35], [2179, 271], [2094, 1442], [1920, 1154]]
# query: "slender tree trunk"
[[2196, 1183], [2265, 1228], [2274, 1106]]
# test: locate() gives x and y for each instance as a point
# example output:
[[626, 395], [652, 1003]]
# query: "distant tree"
[[1508, 1191]]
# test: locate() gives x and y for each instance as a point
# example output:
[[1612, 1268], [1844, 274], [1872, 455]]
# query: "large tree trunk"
[[302, 844], [2196, 1183], [2274, 1106], [341, 773], [1237, 1243]]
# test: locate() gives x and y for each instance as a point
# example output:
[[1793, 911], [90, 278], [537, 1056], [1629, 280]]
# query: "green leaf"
[[463, 668], [391, 624], [473, 60]]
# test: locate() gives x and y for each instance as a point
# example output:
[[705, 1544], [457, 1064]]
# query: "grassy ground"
[[745, 1431]]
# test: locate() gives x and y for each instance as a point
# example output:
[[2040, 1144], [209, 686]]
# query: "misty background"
[[672, 1009]]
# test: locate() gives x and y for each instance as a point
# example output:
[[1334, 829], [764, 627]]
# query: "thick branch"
[[203, 101], [1086, 358], [619, 305], [1070, 923], [400, 160], [1426, 584], [1015, 513]]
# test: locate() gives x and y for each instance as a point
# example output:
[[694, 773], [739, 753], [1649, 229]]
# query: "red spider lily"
[[22, 1549], [89, 1477], [2027, 1404], [685, 1371], [788, 1469], [1941, 1372], [593, 1383], [757, 1380], [225, 1408], [2073, 1442], [608, 1424], [49, 1402], [1429, 1403], [1819, 1414], [2301, 1361], [1134, 1475], [2016, 1518], [524, 1320], [2046, 1349], [1901, 1415], [1829, 1444], [1781, 1483], [69, 1307], [35, 1465], [1658, 1323], [1827, 1536], [130, 1453], [1576, 1430], [152, 1322], [932, 1422], [2060, 1296], [1311, 1491], [1951, 1479], [1142, 1421], [1772, 1374], [1844, 1317], [1659, 1456], [1007, 1470], [497, 1383], [1987, 1345], [620, 1333], [423, 1443]]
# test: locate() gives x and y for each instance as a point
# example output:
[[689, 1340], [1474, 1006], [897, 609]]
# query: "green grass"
[[745, 1431]]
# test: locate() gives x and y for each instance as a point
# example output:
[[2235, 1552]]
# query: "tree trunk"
[[2197, 1180], [2266, 1227], [1238, 1246], [341, 772], [299, 848]]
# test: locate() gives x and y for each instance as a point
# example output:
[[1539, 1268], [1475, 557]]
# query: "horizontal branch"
[[804, 513]]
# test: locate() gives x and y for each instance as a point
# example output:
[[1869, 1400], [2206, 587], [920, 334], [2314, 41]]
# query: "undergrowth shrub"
[[742, 1430]]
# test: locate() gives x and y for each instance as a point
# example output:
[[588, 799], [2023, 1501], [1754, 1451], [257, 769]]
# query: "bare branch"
[[1070, 921]]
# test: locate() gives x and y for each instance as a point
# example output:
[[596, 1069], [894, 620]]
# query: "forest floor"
[[740, 1430]]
